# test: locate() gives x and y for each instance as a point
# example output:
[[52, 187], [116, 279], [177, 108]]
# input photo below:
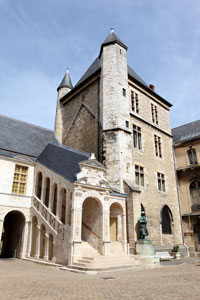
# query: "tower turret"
[[115, 115], [64, 88]]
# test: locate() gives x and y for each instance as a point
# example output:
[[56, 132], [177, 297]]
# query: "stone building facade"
[[126, 124], [77, 193], [187, 154]]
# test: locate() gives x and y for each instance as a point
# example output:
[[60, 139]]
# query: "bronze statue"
[[143, 225]]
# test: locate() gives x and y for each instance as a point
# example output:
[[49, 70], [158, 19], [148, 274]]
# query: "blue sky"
[[39, 39]]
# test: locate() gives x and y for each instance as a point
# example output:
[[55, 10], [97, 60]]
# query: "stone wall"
[[80, 120]]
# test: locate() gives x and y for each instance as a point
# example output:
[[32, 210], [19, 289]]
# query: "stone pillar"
[[25, 240], [51, 197], [37, 249], [105, 232], [46, 247], [124, 232], [59, 205], [43, 189]]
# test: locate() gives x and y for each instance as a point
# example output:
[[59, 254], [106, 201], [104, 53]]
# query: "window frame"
[[17, 182], [139, 175], [137, 137]]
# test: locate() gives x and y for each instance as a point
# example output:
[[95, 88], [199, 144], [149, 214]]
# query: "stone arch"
[[42, 241], [63, 204], [39, 185], [166, 220], [47, 191], [12, 236], [55, 198], [51, 246], [116, 222], [92, 222], [34, 235]]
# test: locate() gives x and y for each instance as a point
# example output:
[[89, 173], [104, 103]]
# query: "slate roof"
[[66, 82], [112, 38], [186, 132], [18, 137], [95, 67], [63, 160]]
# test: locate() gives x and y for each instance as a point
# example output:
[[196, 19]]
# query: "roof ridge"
[[185, 124], [74, 150], [25, 122]]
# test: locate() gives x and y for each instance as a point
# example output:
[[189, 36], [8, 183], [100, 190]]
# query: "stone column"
[[46, 247], [43, 189], [37, 249], [25, 238], [124, 232], [59, 205], [51, 197], [105, 232]]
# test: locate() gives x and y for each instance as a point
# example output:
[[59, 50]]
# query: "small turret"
[[64, 88], [65, 85]]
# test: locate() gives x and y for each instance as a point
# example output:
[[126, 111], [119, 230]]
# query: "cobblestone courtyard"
[[27, 280]]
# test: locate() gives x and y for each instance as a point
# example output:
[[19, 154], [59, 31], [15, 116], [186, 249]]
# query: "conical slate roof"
[[113, 38], [66, 82]]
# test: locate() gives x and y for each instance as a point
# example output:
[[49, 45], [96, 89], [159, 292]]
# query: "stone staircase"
[[92, 260], [47, 217]]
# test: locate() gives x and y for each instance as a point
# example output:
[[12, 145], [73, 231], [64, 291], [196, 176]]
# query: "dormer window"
[[192, 156]]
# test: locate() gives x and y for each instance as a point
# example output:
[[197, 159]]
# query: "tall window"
[[134, 102], [154, 112], [63, 213], [192, 156], [137, 137], [167, 219], [161, 182], [47, 191], [195, 192], [19, 180], [157, 143], [39, 186], [55, 192], [139, 175]]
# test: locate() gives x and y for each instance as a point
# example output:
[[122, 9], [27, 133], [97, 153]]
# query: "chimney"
[[152, 87]]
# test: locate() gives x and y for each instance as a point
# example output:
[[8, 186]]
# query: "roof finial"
[[112, 29]]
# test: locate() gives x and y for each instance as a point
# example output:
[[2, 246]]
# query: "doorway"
[[113, 229], [12, 235]]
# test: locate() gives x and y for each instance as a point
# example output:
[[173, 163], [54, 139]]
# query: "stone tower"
[[114, 104], [64, 88]]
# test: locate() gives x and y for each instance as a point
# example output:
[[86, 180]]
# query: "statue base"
[[146, 253]]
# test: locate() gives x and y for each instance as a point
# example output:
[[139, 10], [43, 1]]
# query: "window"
[[157, 143], [137, 137], [167, 220], [192, 156], [154, 112], [63, 212], [55, 189], [127, 124], [134, 102], [139, 175], [20, 178], [161, 182], [39, 186], [47, 192], [195, 193], [124, 92]]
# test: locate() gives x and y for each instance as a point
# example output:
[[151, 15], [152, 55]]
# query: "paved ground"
[[27, 280]]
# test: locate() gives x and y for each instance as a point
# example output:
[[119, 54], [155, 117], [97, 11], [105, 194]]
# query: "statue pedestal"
[[146, 253]]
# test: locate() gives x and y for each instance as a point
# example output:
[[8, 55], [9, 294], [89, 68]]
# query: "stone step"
[[106, 268], [108, 257]]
